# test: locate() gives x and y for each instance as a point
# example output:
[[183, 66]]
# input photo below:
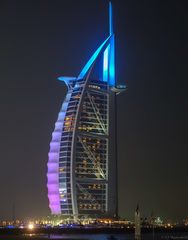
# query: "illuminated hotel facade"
[[82, 176]]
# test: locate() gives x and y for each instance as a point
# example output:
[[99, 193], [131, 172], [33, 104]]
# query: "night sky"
[[43, 39]]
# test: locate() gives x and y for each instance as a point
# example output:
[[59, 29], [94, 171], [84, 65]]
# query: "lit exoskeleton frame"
[[82, 160]]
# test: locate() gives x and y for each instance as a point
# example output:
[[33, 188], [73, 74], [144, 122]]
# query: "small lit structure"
[[30, 226]]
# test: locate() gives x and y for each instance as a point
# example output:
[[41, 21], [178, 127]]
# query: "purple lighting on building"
[[53, 164]]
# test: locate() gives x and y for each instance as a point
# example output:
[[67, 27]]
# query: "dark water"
[[146, 236]]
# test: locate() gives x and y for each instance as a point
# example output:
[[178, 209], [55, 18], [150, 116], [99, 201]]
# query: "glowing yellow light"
[[30, 226]]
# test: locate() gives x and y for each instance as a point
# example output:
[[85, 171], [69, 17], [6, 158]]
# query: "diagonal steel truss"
[[84, 191], [93, 159], [96, 111]]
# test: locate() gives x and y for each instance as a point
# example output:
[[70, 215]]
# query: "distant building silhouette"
[[137, 224]]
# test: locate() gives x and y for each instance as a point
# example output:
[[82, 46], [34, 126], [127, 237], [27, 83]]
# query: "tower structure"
[[82, 162], [137, 224]]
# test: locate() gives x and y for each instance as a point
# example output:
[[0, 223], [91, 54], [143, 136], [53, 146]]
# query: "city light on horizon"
[[30, 226]]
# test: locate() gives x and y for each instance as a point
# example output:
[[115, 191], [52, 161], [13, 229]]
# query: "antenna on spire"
[[110, 18]]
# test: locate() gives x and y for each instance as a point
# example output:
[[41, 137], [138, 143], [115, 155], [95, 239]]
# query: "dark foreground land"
[[51, 233]]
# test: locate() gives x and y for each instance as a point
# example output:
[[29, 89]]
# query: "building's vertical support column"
[[112, 178], [116, 156]]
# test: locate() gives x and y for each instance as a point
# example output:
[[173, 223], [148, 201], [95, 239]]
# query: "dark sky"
[[43, 39]]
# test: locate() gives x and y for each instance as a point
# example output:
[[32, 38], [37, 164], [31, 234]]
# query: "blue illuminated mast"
[[112, 81], [109, 54], [109, 74], [110, 19], [108, 50]]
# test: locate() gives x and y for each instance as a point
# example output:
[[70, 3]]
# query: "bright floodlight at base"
[[30, 226]]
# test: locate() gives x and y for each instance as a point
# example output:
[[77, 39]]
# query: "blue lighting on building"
[[111, 80], [105, 64], [66, 80], [108, 56], [92, 60], [110, 19]]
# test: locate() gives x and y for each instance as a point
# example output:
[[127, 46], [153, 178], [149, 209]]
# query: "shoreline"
[[86, 230]]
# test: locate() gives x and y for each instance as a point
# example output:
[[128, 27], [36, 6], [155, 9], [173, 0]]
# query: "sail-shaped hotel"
[[82, 176]]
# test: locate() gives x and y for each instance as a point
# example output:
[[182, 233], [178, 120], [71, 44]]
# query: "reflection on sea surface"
[[146, 236]]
